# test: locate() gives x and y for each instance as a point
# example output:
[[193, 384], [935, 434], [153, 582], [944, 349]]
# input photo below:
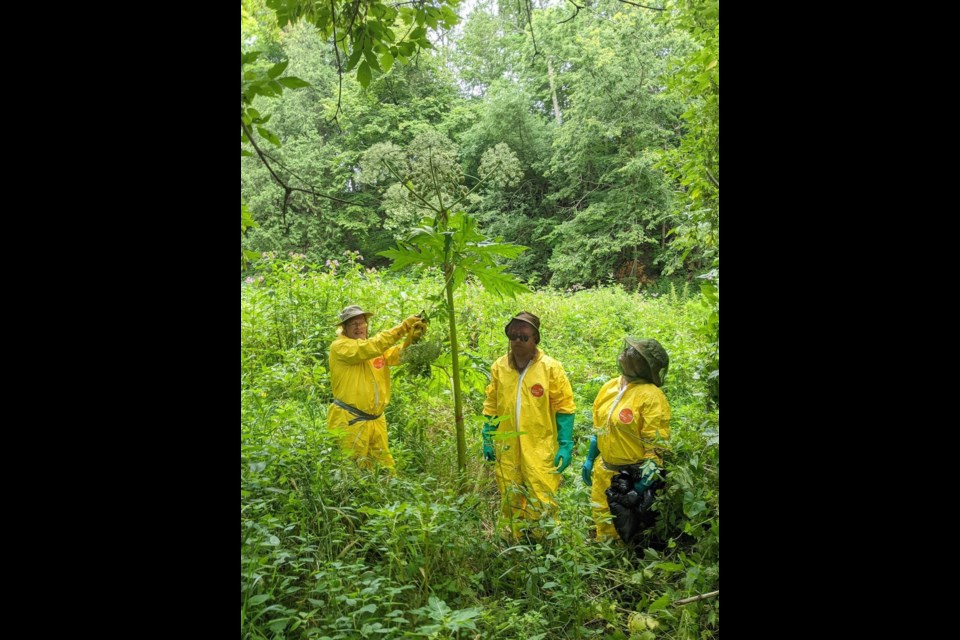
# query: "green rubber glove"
[[488, 431], [565, 440], [586, 471]]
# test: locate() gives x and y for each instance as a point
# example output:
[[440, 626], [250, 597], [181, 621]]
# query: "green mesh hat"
[[654, 355]]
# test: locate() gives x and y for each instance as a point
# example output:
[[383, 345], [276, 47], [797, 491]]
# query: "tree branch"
[[702, 596], [642, 6], [336, 51], [533, 36], [715, 182], [575, 13], [283, 211], [264, 157]]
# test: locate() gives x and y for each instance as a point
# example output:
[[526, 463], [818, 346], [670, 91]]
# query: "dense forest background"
[[602, 123]]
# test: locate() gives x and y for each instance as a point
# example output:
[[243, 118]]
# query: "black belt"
[[619, 467], [361, 415]]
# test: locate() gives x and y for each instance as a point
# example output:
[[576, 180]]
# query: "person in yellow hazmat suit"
[[631, 420], [360, 377], [531, 395]]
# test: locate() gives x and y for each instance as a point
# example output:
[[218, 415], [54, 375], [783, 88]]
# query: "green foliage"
[[695, 163], [489, 48], [507, 118], [368, 34], [376, 31], [319, 154], [461, 250], [605, 72], [246, 222], [500, 167], [511, 206], [615, 111], [610, 69], [711, 363], [259, 80], [330, 551], [593, 246], [445, 619], [697, 160]]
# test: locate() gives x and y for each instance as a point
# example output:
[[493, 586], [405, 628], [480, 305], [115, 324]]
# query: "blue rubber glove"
[[650, 472], [586, 471], [488, 431], [565, 439]]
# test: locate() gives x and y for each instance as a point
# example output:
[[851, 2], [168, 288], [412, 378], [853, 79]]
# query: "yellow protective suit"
[[360, 377], [631, 426], [526, 475]]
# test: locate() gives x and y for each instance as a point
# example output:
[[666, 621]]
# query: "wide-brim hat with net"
[[655, 356]]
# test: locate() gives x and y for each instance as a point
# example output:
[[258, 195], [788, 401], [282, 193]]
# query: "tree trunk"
[[553, 93]]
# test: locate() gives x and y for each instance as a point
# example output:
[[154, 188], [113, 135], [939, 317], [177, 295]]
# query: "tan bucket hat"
[[352, 312]]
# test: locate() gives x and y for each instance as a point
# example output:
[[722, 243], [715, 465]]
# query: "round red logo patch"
[[378, 363], [536, 390], [626, 416]]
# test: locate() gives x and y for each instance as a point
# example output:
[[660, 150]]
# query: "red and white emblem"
[[626, 416], [536, 390], [378, 363]]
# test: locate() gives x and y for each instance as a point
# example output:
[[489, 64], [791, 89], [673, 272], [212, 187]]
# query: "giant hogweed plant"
[[448, 238]]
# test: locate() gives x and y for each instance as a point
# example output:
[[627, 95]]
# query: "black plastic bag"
[[631, 510]]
